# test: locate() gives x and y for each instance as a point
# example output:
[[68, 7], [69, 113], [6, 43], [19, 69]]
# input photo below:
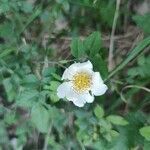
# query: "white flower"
[[81, 83]]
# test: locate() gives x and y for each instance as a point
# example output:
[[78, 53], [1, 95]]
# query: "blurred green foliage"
[[33, 58]]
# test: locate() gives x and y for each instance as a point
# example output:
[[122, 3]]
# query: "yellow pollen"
[[81, 82]]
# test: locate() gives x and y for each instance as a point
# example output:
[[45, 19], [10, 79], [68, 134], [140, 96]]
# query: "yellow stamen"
[[82, 82]]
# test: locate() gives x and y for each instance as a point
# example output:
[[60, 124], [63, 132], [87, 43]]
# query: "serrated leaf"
[[105, 124], [54, 98], [100, 65], [30, 81], [77, 48], [54, 85], [93, 44], [10, 90], [108, 137], [56, 76], [27, 98], [98, 111], [46, 72], [117, 120], [145, 132], [114, 133], [40, 117], [31, 78]]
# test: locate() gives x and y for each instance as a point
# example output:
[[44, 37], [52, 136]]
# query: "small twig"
[[117, 81], [45, 62], [51, 62], [46, 137], [133, 86], [112, 39], [104, 37], [81, 144]]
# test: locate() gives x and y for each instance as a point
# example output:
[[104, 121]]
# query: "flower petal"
[[70, 71], [97, 91], [97, 77], [86, 65], [76, 67], [76, 98], [63, 89], [78, 102], [88, 97], [98, 87]]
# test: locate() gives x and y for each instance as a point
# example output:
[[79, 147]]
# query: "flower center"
[[82, 82]]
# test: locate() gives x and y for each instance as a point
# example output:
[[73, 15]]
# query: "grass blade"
[[132, 54]]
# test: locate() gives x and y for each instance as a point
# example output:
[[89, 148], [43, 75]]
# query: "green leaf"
[[5, 52], [145, 132], [107, 11], [117, 120], [7, 30], [93, 44], [141, 60], [30, 80], [10, 118], [108, 137], [46, 72], [40, 117], [27, 98], [56, 76], [77, 48], [27, 7], [98, 111], [4, 7], [100, 65], [146, 145], [143, 22], [105, 125], [133, 53], [53, 96], [10, 90], [54, 85], [114, 133]]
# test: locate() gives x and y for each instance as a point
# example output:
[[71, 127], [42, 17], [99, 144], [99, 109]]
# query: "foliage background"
[[38, 39]]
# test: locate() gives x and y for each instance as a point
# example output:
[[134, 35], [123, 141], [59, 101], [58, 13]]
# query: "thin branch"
[[112, 38], [46, 137], [133, 86]]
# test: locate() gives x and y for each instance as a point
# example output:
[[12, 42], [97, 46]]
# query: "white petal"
[[65, 74], [86, 65], [97, 77], [78, 102], [70, 71], [63, 89], [76, 67], [98, 87], [97, 91], [76, 98], [88, 97]]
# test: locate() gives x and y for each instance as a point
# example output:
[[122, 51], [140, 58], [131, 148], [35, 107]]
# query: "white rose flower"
[[81, 83]]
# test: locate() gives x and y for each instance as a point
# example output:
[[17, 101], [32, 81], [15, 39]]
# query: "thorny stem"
[[112, 38]]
